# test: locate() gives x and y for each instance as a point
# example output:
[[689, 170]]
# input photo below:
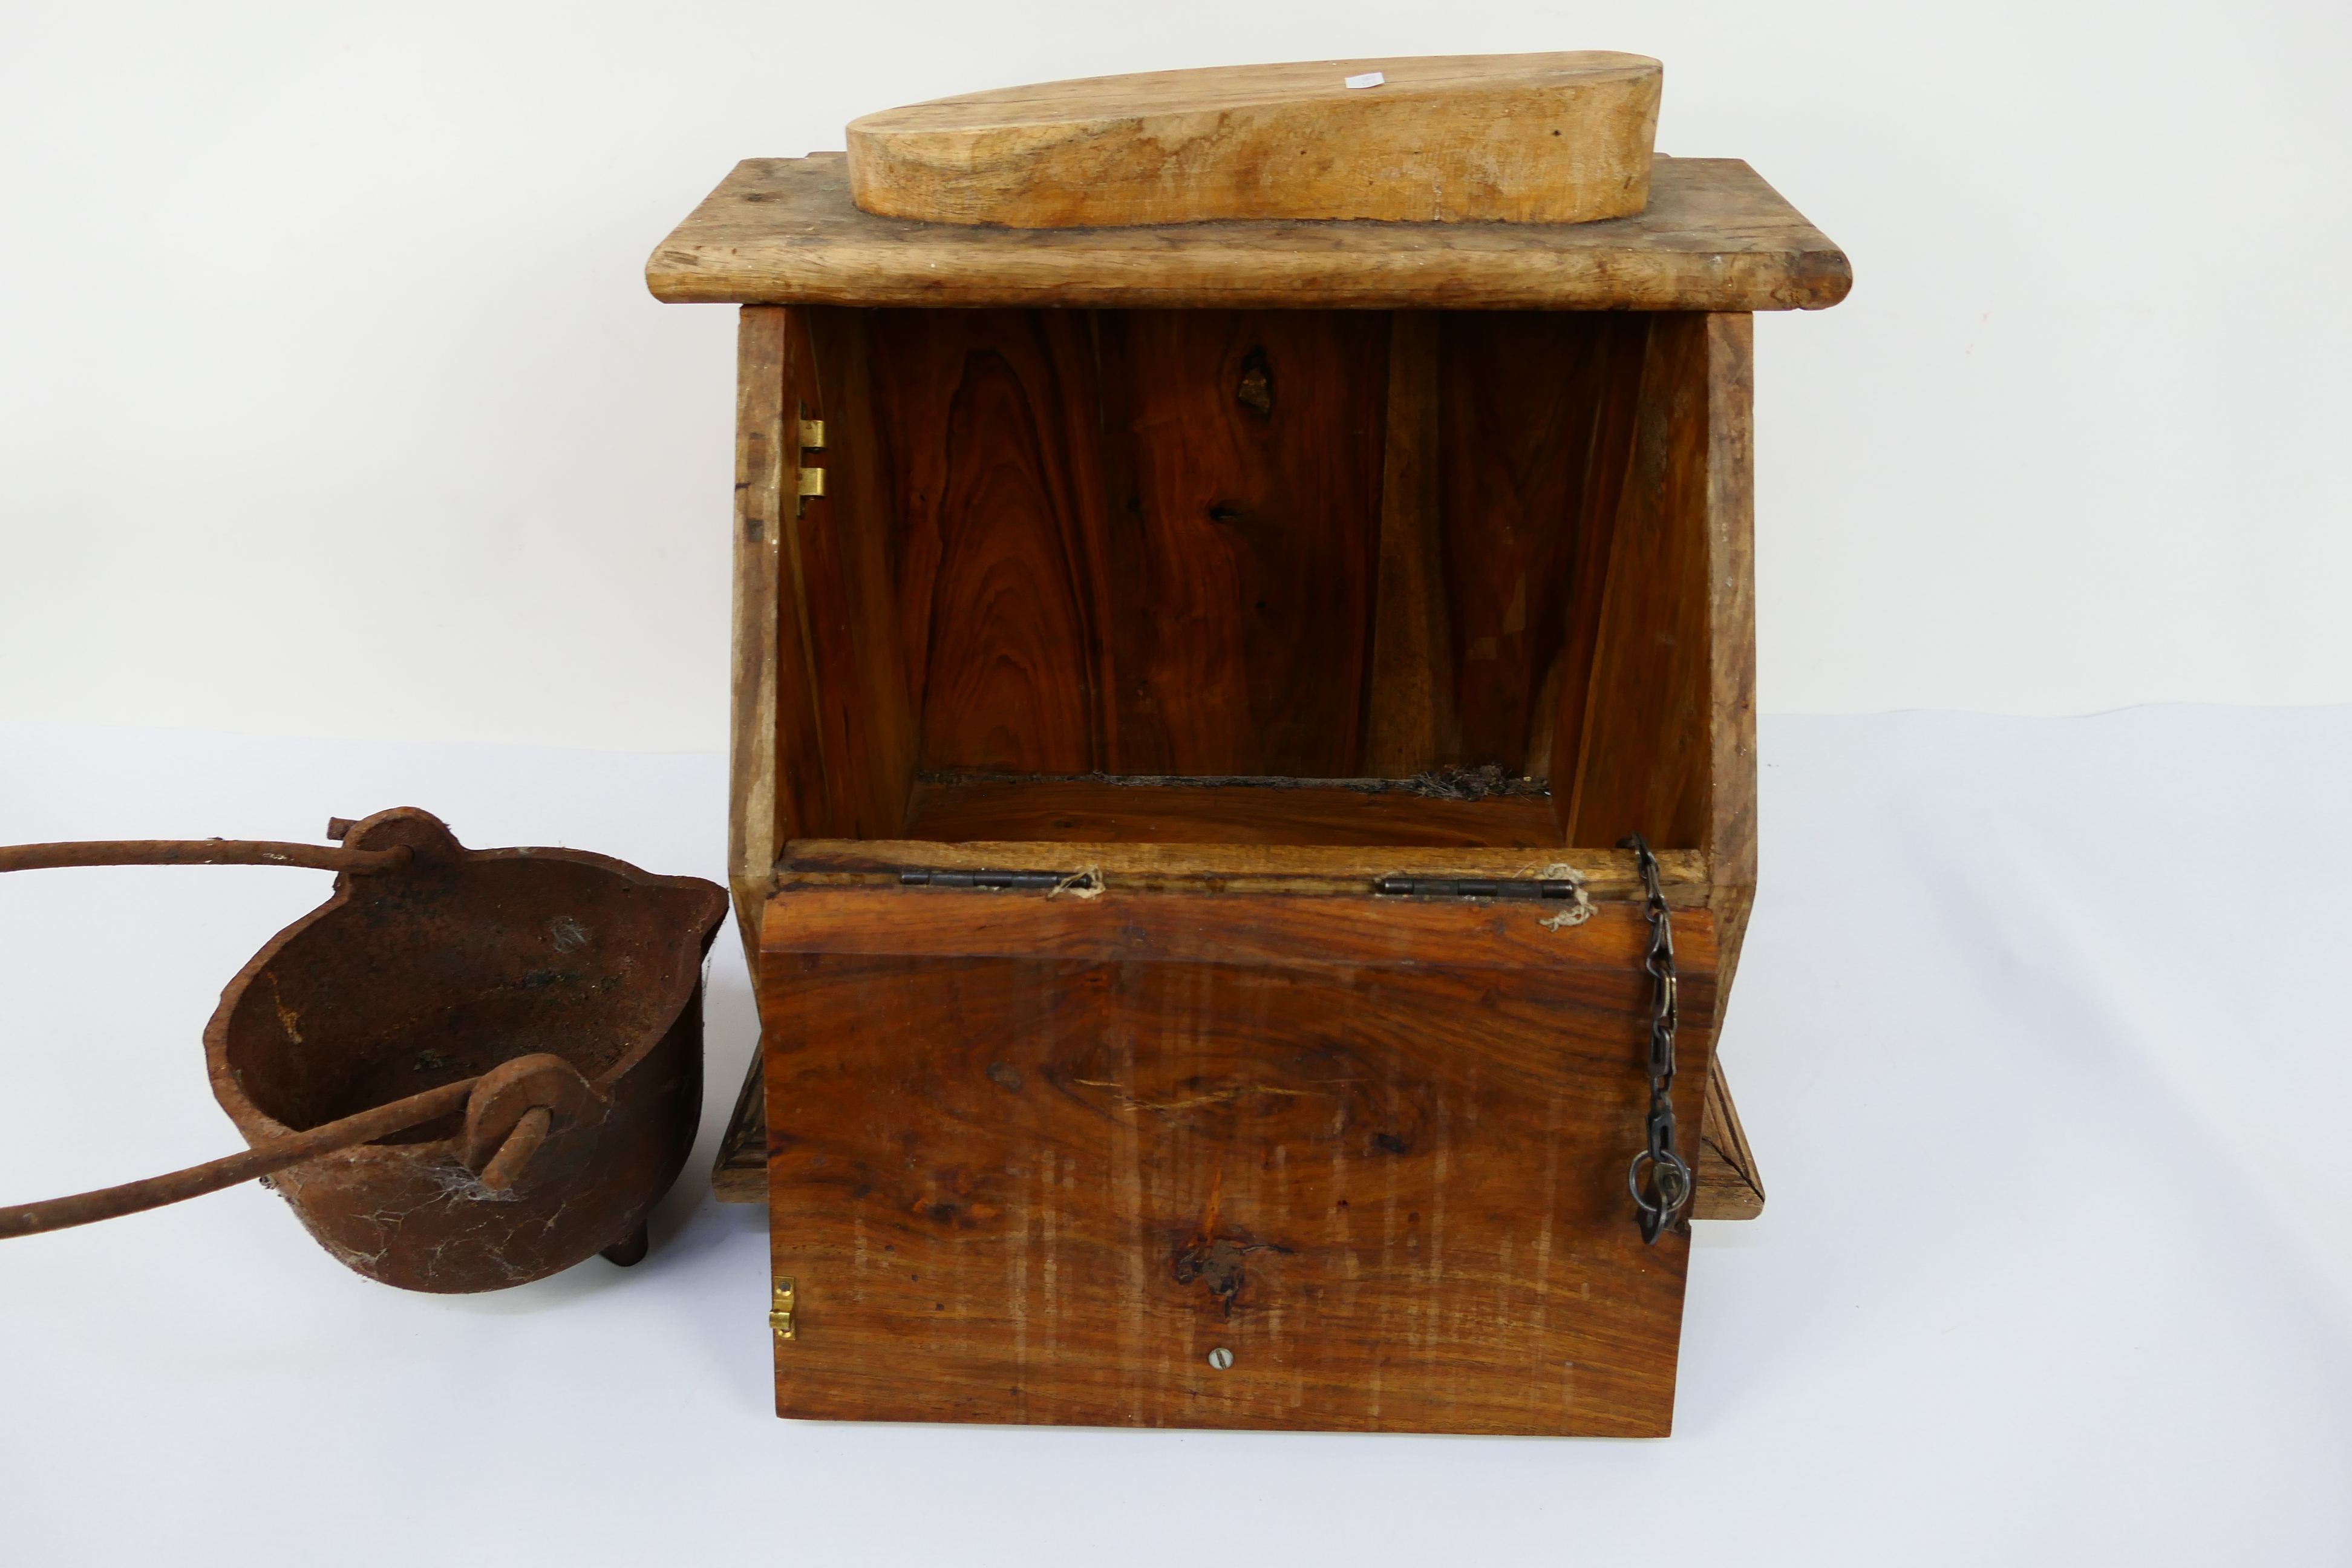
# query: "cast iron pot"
[[465, 1070]]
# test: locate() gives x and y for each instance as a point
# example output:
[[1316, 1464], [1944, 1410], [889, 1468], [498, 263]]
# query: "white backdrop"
[[2037, 1037], [331, 401], [331, 404]]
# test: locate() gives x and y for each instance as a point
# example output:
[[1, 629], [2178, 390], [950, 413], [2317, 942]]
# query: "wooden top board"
[[1526, 138], [783, 231]]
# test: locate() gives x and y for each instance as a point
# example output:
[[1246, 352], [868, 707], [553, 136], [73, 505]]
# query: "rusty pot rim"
[[257, 1124]]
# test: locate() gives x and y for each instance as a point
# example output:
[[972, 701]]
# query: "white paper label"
[[1369, 79]]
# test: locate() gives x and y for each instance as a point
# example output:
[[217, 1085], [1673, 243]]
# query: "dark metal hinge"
[[1473, 887], [990, 880]]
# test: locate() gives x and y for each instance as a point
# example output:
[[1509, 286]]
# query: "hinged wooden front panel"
[[1038, 1159]]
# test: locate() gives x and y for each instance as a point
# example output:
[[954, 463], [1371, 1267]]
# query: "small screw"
[[1221, 1358]]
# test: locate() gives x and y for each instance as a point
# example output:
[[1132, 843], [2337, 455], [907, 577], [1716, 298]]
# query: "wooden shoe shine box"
[[1117, 611]]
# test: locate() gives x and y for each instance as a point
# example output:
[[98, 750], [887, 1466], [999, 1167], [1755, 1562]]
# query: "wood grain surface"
[[1104, 811], [843, 547], [1726, 1186], [1306, 544], [1409, 718], [1731, 462], [1724, 1180], [756, 827], [992, 420], [1536, 425], [1135, 542], [1714, 237], [1657, 701], [805, 789], [1642, 766], [1349, 870], [1244, 460], [1527, 137], [1058, 548], [1034, 1159]]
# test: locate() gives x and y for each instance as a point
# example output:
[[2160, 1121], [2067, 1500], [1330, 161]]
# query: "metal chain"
[[1667, 1187]]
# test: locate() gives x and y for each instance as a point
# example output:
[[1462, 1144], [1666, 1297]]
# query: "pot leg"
[[630, 1248]]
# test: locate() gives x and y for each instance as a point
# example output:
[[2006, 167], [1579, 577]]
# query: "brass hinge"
[[780, 1316], [809, 483]]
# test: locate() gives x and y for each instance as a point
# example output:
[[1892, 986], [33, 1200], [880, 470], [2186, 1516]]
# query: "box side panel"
[[1644, 760], [1731, 626], [794, 737], [1536, 420], [757, 822], [755, 831], [864, 727]]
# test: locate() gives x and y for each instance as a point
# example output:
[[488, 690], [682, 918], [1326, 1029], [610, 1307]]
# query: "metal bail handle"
[[1658, 1178]]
